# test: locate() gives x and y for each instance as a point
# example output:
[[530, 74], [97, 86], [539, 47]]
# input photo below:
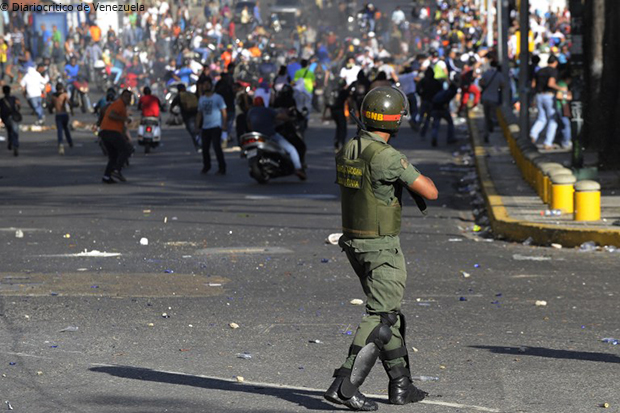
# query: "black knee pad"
[[380, 336]]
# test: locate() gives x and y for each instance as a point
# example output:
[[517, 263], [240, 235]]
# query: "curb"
[[519, 230]]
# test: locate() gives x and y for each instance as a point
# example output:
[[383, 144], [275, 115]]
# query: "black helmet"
[[383, 109]]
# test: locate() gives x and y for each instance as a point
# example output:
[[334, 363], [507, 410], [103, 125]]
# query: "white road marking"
[[291, 196], [284, 386], [85, 253], [12, 229], [245, 250], [519, 257]]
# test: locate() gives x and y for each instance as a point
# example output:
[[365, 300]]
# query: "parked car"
[[238, 11], [287, 11]]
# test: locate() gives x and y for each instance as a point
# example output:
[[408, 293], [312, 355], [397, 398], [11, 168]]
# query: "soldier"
[[371, 175]]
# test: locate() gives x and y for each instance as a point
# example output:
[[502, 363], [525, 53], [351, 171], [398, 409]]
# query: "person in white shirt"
[[398, 16], [350, 71], [33, 84]]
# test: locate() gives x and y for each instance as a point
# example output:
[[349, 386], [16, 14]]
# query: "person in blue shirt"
[[46, 37], [213, 120], [184, 74], [72, 69], [293, 67]]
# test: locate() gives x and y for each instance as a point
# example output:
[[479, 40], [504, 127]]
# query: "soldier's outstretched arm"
[[425, 187]]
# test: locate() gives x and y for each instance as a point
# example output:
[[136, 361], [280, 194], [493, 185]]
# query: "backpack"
[[188, 102], [15, 115]]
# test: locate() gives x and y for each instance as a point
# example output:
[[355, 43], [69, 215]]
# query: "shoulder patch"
[[404, 163]]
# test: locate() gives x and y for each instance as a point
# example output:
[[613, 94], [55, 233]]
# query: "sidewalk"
[[516, 211]]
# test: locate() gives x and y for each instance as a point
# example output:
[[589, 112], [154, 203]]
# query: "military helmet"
[[383, 109]]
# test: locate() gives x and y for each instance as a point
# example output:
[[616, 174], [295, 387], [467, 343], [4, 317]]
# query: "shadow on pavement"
[[309, 399], [552, 353]]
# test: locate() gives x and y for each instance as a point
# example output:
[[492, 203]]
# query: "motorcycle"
[[266, 158], [149, 134], [79, 95], [102, 76]]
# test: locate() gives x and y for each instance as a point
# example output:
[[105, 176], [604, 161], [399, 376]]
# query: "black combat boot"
[[358, 402], [402, 391]]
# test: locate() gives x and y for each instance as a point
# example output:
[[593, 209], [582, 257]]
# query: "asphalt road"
[[226, 250]]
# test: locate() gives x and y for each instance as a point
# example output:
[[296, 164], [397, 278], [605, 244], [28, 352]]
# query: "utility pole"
[[490, 18], [577, 76], [524, 60], [502, 27]]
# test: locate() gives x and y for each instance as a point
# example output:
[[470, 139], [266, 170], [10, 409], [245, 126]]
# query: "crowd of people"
[[436, 52]]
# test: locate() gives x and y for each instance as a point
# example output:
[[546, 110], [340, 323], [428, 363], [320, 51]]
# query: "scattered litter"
[[19, 234], [190, 325], [425, 378], [82, 269], [39, 373], [144, 241], [541, 303], [67, 236], [528, 241], [169, 271], [165, 220], [182, 350], [424, 304], [240, 379], [70, 329], [476, 265], [215, 285], [519, 257], [94, 286], [356, 301], [556, 246], [234, 326], [245, 356], [610, 248], [324, 260], [442, 367], [12, 363], [455, 240], [333, 238], [415, 350], [551, 213], [462, 299], [315, 341], [151, 325], [465, 274], [175, 218], [165, 315], [605, 405], [147, 211], [613, 341], [8, 405], [588, 246], [477, 228]]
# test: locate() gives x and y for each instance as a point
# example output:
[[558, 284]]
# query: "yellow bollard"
[[530, 167], [538, 172], [545, 185], [552, 173], [562, 193], [587, 201]]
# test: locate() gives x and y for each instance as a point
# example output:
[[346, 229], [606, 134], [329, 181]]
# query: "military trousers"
[[383, 276]]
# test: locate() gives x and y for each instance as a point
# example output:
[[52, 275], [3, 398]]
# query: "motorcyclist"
[[72, 69], [149, 104], [262, 119]]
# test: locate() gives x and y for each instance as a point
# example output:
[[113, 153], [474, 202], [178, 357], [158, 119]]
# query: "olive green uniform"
[[376, 258]]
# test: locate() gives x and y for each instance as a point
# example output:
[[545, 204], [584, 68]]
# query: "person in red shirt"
[[149, 104]]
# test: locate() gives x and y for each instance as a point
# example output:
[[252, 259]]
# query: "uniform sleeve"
[[391, 166]]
